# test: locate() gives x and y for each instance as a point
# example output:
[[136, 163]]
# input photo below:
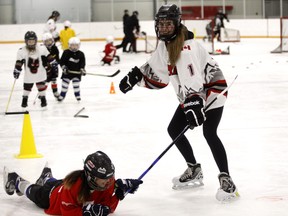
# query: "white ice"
[[132, 130]]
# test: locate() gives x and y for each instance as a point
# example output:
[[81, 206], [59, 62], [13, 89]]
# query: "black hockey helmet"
[[135, 13], [30, 40], [168, 12], [55, 13], [98, 165]]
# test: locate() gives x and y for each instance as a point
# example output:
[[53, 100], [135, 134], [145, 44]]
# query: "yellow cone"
[[27, 148]]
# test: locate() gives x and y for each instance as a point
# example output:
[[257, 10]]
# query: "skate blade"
[[188, 186], [227, 198]]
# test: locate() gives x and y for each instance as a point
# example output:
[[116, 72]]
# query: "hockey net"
[[229, 35], [283, 47], [146, 43]]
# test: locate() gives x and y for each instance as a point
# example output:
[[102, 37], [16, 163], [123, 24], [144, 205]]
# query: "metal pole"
[[281, 8], [263, 8], [202, 9], [244, 9], [223, 5]]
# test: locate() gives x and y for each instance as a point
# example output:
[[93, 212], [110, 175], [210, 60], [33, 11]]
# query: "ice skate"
[[24, 101], [43, 101], [45, 175], [227, 191], [11, 182], [191, 178]]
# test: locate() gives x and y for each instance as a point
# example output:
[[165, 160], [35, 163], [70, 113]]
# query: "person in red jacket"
[[110, 52], [91, 191]]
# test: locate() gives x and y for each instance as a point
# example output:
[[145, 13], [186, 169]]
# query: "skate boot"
[[56, 94], [45, 175], [191, 178], [227, 191], [43, 101], [24, 101], [11, 182]]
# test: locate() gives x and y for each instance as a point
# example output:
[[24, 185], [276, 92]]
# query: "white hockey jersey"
[[33, 64], [196, 72], [50, 27]]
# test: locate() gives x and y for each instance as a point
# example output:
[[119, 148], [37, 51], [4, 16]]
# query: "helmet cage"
[[30, 40], [168, 12]]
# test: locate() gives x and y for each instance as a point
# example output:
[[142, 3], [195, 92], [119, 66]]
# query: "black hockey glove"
[[95, 210], [194, 110], [83, 72], [131, 79], [126, 185], [16, 73], [54, 65]]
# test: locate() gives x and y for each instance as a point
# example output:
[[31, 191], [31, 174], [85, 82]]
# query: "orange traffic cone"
[[27, 148], [112, 89]]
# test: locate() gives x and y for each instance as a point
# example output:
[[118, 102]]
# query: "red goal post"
[[283, 46]]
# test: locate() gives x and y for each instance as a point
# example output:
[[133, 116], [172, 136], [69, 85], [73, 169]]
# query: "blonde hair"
[[175, 46]]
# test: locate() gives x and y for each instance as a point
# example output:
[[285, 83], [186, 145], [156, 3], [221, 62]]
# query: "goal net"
[[283, 47], [229, 35], [146, 43]]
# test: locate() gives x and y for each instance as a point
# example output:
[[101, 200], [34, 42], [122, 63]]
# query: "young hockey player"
[[91, 191], [197, 79], [48, 41], [35, 59], [110, 52], [66, 34], [73, 66], [50, 25]]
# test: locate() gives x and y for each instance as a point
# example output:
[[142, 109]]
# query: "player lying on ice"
[[197, 80], [91, 191]]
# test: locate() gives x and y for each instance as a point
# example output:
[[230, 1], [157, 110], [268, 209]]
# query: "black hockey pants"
[[40, 195]]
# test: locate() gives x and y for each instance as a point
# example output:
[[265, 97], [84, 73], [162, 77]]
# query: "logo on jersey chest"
[[186, 47], [33, 64], [172, 70], [74, 60]]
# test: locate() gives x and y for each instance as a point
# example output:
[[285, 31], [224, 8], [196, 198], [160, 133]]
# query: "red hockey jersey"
[[110, 52], [64, 201]]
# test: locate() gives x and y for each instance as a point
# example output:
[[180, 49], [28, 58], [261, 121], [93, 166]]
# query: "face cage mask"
[[31, 44], [171, 36], [49, 43], [93, 185], [74, 47]]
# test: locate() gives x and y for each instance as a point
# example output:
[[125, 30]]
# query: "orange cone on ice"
[[112, 88], [27, 148]]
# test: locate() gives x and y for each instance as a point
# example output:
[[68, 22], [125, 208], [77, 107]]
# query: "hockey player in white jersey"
[[50, 26], [197, 80], [34, 57]]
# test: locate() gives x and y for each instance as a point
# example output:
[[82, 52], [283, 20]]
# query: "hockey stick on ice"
[[10, 96], [181, 134], [94, 74], [81, 116]]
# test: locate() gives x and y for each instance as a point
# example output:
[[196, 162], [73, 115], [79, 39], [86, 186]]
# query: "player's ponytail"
[[175, 46]]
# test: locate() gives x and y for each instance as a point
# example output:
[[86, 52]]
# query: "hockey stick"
[[10, 96], [34, 102], [81, 116], [94, 74], [16, 113], [181, 134]]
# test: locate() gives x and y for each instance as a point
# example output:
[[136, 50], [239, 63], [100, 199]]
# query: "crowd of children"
[[42, 61]]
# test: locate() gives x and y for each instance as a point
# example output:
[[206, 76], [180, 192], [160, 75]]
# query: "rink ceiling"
[[131, 129]]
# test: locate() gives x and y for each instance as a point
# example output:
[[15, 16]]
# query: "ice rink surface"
[[132, 130]]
